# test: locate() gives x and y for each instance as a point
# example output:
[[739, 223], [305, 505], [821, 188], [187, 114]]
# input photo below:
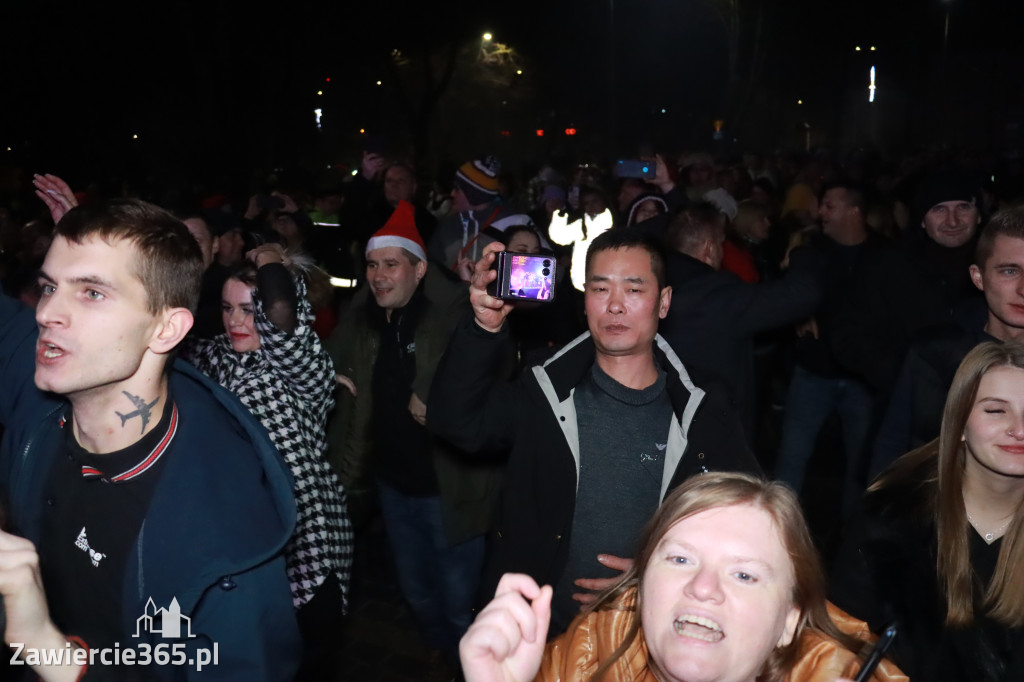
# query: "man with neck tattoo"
[[127, 476], [596, 436]]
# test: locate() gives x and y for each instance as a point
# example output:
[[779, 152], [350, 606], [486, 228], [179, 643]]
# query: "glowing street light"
[[871, 86], [487, 36]]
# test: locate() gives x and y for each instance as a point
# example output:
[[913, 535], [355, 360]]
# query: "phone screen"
[[531, 277]]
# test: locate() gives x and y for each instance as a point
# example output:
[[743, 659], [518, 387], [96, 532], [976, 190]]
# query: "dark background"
[[217, 92]]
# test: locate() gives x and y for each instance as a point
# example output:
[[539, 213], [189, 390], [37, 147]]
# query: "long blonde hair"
[[943, 462], [713, 491]]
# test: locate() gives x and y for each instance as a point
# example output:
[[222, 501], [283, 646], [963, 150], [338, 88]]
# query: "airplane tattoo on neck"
[[141, 410]]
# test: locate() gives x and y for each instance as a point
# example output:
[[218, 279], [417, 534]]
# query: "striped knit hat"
[[400, 230], [478, 180]]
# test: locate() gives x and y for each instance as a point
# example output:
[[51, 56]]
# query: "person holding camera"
[[596, 437]]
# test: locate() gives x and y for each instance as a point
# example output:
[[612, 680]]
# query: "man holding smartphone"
[[596, 436]]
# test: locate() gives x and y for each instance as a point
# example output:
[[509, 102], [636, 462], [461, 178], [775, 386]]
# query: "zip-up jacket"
[[215, 530], [534, 420]]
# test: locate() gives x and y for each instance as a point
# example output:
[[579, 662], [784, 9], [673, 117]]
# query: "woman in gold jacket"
[[727, 586]]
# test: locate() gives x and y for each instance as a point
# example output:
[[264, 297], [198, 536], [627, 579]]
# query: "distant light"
[[362, 131], [487, 36], [540, 133], [341, 282], [355, 172], [378, 82], [319, 92], [570, 131], [872, 48], [135, 137], [663, 111], [506, 133], [519, 72], [328, 79], [8, 149], [319, 114], [799, 101], [871, 86], [857, 48]]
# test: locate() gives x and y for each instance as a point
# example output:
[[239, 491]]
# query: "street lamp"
[[487, 36]]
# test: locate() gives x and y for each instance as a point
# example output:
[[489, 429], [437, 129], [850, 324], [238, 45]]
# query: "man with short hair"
[[914, 413], [436, 506], [819, 385], [113, 498], [715, 315], [698, 232], [596, 436], [208, 323], [400, 185]]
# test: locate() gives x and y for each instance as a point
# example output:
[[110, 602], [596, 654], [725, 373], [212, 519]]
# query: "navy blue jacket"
[[214, 534]]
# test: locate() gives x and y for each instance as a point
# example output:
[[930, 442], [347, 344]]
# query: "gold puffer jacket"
[[591, 639]]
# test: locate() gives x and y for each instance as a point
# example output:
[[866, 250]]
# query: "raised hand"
[[28, 619], [506, 641], [264, 254], [56, 194], [662, 179], [489, 312]]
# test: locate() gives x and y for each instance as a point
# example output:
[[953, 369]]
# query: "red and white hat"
[[400, 230]]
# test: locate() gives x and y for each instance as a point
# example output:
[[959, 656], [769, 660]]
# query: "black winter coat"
[[534, 420], [714, 316], [886, 570]]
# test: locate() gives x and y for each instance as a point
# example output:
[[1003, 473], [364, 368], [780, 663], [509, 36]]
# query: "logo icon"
[[82, 543], [170, 621]]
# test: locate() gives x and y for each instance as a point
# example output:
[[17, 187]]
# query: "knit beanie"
[[478, 180], [400, 230], [948, 185]]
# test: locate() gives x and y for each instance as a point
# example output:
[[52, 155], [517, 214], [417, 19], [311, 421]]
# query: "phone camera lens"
[[545, 272], [546, 263]]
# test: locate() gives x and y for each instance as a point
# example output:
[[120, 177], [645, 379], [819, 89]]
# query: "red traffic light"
[[540, 133], [570, 131]]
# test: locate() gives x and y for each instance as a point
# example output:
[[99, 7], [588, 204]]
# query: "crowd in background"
[[830, 300]]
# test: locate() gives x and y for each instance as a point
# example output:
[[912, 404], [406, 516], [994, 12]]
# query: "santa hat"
[[400, 230]]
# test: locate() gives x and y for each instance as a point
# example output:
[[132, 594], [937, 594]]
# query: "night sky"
[[226, 91]]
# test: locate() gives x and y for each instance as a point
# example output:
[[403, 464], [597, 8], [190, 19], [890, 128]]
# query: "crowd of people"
[[619, 463]]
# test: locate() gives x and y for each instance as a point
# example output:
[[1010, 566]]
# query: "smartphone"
[[877, 653], [636, 168], [523, 277]]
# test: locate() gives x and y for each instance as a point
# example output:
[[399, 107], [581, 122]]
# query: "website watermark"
[[166, 622], [143, 654]]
